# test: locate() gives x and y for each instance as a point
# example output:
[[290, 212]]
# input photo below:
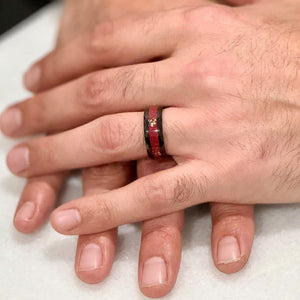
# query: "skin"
[[224, 216], [206, 172]]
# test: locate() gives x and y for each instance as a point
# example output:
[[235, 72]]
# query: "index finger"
[[110, 44]]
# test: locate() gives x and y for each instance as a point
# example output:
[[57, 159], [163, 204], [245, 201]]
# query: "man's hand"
[[228, 220]]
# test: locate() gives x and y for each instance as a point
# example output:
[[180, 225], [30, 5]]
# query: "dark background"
[[14, 11]]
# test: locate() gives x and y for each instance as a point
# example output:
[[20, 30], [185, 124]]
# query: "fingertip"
[[54, 223], [160, 254], [94, 258], [36, 203], [229, 256], [154, 282], [232, 257], [32, 77], [17, 160], [89, 268], [232, 236], [25, 226], [91, 276], [155, 291], [64, 220], [24, 217], [10, 121], [233, 267]]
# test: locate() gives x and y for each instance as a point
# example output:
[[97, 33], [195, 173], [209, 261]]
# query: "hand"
[[222, 213], [161, 237], [237, 113]]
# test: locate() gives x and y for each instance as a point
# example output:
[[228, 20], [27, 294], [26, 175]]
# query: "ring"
[[153, 131]]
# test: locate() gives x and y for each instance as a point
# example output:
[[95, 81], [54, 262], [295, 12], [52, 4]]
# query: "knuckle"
[[94, 181], [233, 224], [212, 14], [211, 73], [230, 214], [92, 173], [154, 193], [96, 91], [127, 82], [164, 233], [97, 36], [196, 73], [130, 83], [149, 23], [110, 170], [234, 220], [107, 177], [177, 191], [208, 73], [111, 135]]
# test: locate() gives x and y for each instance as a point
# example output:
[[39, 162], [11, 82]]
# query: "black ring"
[[153, 131]]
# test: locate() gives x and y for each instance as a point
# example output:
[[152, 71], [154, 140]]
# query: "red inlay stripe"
[[153, 132]]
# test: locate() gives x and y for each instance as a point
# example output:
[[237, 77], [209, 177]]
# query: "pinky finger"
[[37, 201]]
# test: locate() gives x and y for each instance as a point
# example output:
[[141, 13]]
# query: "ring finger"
[[118, 137]]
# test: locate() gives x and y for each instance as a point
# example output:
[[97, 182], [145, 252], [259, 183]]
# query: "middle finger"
[[130, 88]]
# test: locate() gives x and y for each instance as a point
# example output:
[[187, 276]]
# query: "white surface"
[[40, 266]]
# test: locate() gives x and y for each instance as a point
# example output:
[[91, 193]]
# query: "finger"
[[154, 195], [131, 88], [160, 251], [37, 201], [233, 229], [160, 254], [112, 43], [118, 137], [95, 253]]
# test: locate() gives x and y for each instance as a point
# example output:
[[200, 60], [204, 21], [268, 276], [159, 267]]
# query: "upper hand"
[[220, 90]]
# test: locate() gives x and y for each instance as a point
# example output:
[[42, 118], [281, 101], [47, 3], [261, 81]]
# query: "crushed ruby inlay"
[[153, 132]]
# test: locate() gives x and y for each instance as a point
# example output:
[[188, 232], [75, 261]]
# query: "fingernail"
[[32, 77], [67, 219], [25, 212], [228, 250], [18, 159], [154, 272], [10, 120], [91, 258]]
